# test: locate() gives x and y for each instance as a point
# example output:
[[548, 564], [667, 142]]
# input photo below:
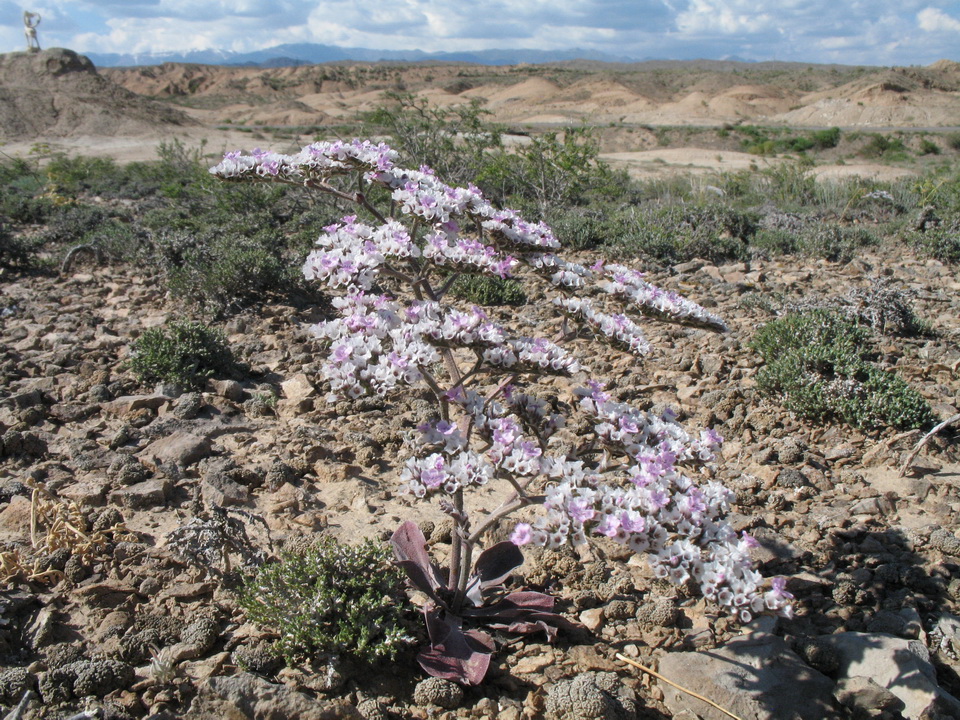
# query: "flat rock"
[[131, 403], [143, 495], [901, 666], [179, 448], [298, 388], [756, 677], [247, 697]]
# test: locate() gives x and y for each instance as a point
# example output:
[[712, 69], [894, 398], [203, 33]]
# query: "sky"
[[852, 32]]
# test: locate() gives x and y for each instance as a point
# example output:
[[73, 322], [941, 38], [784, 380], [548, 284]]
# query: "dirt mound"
[[58, 93]]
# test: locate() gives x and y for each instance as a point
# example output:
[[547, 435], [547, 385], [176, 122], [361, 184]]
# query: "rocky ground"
[[97, 471]]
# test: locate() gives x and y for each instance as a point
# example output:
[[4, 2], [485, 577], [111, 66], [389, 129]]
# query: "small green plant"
[[835, 243], [219, 270], [941, 243], [817, 365], [186, 354], [483, 290], [333, 599], [928, 147]]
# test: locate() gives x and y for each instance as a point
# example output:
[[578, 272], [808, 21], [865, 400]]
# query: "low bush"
[[185, 353], [817, 365], [483, 290], [941, 243], [835, 243], [219, 270], [15, 251], [331, 600]]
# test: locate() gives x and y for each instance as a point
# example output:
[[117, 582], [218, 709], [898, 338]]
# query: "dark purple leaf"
[[496, 563], [410, 549], [454, 654]]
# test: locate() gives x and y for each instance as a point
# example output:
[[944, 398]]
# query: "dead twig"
[[923, 441], [658, 676], [68, 260], [20, 710]]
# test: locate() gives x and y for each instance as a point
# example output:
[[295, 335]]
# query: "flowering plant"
[[630, 478]]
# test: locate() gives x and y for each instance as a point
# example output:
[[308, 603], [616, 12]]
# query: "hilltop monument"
[[30, 22]]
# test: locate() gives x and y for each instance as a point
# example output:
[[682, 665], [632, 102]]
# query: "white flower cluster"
[[445, 248], [666, 516], [621, 330], [650, 300], [353, 253], [319, 160], [561, 273]]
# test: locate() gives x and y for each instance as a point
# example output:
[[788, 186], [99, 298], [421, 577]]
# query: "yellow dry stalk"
[[65, 526], [13, 568]]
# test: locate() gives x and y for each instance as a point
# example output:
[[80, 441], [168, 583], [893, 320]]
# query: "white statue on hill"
[[30, 22]]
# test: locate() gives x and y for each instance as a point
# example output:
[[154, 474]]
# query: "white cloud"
[[934, 20], [858, 31]]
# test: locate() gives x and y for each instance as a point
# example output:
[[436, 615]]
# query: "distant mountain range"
[[309, 53]]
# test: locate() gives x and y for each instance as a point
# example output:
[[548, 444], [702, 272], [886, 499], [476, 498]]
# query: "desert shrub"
[[887, 309], [953, 140], [15, 251], [928, 147], [835, 243], [675, 234], [70, 224], [823, 139], [773, 242], [817, 365], [220, 270], [941, 243], [483, 290], [184, 353], [552, 170], [454, 141], [880, 146], [334, 599]]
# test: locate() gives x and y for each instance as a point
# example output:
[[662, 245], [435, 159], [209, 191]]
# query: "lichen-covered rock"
[[14, 682], [945, 541], [127, 470], [662, 612], [372, 710], [438, 691], [101, 676], [135, 646], [591, 696], [202, 634], [817, 654], [258, 658], [84, 678]]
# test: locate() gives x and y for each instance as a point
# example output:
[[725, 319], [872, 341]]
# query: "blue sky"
[[874, 32]]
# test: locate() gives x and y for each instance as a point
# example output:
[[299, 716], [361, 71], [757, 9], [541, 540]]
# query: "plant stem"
[[456, 549]]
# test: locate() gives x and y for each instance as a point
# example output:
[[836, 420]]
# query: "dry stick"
[[678, 687], [923, 441]]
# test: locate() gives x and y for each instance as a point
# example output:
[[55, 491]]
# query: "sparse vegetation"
[[334, 599], [817, 364], [184, 353]]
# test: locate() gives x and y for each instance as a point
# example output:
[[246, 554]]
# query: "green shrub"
[[953, 140], [186, 354], [331, 600], [484, 290], [775, 242], [817, 365], [823, 139], [880, 146], [941, 243], [220, 270], [835, 243], [928, 147], [15, 251]]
